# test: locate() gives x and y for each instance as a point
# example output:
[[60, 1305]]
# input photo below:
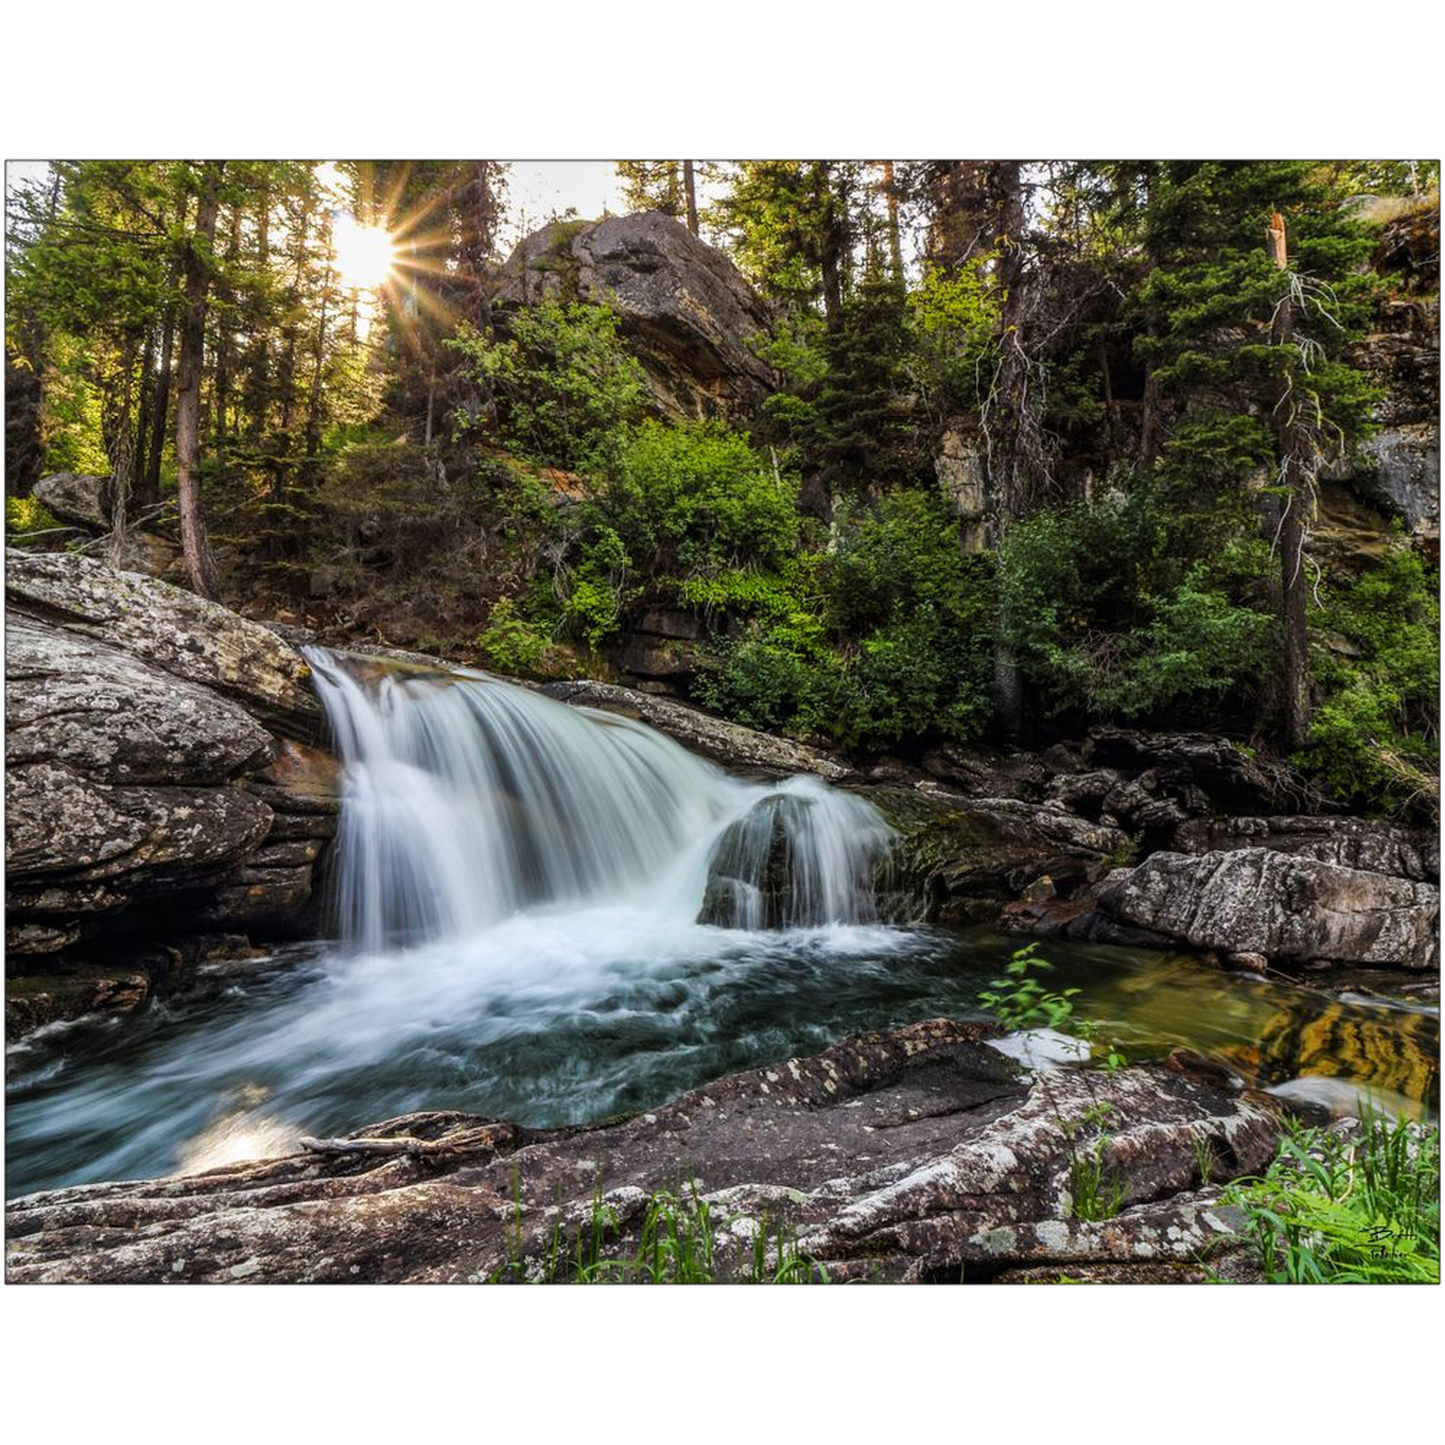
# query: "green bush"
[[693, 499], [562, 385], [894, 649], [1109, 611], [510, 642]]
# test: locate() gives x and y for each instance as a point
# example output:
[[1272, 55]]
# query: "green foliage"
[[562, 384], [1096, 1192], [864, 431], [693, 499], [510, 642], [1334, 1209], [954, 320], [1375, 734], [883, 639], [1211, 298], [1109, 612], [1019, 1001], [24, 515]]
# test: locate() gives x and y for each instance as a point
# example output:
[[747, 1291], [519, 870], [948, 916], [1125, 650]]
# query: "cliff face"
[[1395, 474]]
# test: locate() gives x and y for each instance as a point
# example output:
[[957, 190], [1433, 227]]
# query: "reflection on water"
[[241, 1133], [552, 1019]]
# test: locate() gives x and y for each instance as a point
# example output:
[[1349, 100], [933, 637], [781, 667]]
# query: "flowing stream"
[[519, 889]]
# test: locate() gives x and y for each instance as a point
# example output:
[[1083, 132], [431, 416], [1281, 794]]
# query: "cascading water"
[[467, 800], [553, 915]]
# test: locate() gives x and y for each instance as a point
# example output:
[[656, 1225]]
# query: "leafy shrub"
[[24, 515], [562, 385], [510, 642], [1019, 1001], [894, 648], [1107, 612], [692, 499]]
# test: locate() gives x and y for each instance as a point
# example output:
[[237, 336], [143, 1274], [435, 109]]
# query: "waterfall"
[[467, 800]]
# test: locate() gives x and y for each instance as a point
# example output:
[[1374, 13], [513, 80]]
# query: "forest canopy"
[[998, 450]]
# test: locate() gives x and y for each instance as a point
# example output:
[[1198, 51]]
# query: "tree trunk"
[[833, 249], [1294, 478], [895, 237], [689, 187], [195, 545], [148, 492]]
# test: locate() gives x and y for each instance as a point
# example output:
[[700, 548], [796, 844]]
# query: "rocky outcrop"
[[1396, 472], [662, 647], [737, 748], [685, 309], [959, 859], [912, 1155], [1359, 843], [1202, 773], [1258, 900], [171, 629], [148, 798]]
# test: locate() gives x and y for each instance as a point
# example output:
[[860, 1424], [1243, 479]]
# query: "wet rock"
[[915, 1154], [750, 877], [734, 746], [1257, 900], [960, 859], [684, 308]]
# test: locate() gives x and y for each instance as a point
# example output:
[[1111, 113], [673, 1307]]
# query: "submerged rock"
[[790, 863], [914, 1155]]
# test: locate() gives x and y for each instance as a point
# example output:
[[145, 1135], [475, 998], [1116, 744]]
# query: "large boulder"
[[1259, 900], [686, 311], [149, 797], [911, 1155], [171, 629], [76, 497], [1359, 843]]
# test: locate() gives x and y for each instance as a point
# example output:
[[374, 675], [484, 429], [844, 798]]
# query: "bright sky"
[[536, 191]]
